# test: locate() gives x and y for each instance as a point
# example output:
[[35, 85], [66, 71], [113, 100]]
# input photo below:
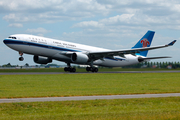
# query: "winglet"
[[172, 43]]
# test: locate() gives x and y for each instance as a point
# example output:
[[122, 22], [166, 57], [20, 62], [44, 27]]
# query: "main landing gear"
[[92, 69], [21, 58], [88, 69], [69, 68]]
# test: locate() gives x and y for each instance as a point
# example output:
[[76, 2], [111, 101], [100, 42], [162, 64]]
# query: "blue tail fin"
[[145, 41]]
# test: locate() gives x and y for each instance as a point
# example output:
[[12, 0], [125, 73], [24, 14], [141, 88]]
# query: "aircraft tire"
[[92, 69], [65, 69], [88, 69], [95, 69], [21, 58], [72, 69], [68, 69]]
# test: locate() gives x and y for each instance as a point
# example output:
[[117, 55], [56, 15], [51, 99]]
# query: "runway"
[[38, 73], [77, 98]]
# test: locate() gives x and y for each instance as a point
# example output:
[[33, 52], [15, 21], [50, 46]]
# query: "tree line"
[[172, 65]]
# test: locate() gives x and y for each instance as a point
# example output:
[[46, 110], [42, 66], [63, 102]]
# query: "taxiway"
[[44, 99]]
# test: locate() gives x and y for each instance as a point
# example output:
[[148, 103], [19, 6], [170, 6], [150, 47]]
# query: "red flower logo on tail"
[[145, 42]]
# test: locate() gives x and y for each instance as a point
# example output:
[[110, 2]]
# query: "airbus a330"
[[45, 50]]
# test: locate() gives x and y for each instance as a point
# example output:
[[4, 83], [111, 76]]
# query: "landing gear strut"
[[69, 68], [21, 58]]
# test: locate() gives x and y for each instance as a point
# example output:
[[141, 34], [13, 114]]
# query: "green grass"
[[121, 109], [15, 86], [81, 69], [33, 70]]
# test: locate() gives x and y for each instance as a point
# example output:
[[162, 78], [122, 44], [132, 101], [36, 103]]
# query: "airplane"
[[45, 50]]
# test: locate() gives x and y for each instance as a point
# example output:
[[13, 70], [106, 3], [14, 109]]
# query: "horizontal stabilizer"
[[140, 59]]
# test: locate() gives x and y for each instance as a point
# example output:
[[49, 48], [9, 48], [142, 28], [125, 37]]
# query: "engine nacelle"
[[143, 59], [42, 60], [79, 58], [140, 59]]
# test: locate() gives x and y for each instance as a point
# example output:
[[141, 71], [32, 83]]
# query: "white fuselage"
[[59, 50]]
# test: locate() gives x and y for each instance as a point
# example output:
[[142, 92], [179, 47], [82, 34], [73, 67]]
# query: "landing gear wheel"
[[73, 70], [21, 58], [92, 69], [69, 69], [95, 69], [88, 69], [65, 69]]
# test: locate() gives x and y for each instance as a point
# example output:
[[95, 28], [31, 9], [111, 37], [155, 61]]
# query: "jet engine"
[[79, 58], [140, 59], [42, 60]]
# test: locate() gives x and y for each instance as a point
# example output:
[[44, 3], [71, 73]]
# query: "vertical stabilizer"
[[145, 41]]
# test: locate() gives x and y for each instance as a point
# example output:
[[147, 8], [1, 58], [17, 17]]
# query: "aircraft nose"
[[5, 41]]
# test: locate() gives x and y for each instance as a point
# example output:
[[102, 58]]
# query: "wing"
[[99, 55]]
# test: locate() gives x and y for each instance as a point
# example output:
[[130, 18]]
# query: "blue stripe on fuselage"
[[18, 42], [8, 41]]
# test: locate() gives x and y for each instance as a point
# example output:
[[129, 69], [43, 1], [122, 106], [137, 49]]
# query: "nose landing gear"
[[21, 58]]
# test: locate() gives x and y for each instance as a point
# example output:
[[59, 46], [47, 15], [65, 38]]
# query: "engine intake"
[[79, 58], [42, 60]]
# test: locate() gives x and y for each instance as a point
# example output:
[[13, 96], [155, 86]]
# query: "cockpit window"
[[12, 37]]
